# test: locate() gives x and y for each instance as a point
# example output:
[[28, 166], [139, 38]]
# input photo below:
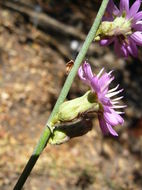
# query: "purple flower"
[[124, 27], [107, 115]]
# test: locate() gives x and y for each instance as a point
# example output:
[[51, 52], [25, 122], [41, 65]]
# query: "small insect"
[[69, 66]]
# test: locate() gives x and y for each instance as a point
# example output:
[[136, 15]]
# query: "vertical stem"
[[46, 133], [34, 157]]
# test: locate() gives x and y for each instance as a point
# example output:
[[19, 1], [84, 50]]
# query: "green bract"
[[120, 26], [71, 109], [70, 120], [58, 137]]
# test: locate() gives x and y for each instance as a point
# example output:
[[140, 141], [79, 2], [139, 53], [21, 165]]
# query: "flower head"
[[122, 26], [107, 115]]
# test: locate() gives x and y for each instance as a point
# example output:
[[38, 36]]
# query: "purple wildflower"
[[126, 27], [107, 115]]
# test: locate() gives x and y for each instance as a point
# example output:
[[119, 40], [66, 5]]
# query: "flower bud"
[[71, 109]]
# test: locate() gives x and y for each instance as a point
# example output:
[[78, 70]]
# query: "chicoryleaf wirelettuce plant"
[[47, 132]]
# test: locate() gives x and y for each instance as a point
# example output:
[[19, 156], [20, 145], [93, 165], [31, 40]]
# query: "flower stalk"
[[48, 130]]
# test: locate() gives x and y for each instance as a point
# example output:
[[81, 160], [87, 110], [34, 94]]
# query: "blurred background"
[[37, 39]]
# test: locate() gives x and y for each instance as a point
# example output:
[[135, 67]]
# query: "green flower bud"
[[71, 109]]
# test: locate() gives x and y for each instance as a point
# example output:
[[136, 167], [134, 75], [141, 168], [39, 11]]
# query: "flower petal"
[[110, 119], [118, 117], [107, 108], [100, 73], [137, 37], [103, 80], [132, 48], [85, 73], [105, 42], [111, 10], [109, 95], [134, 8], [124, 51], [113, 89], [104, 88], [113, 118], [120, 49], [95, 84], [81, 74], [105, 127], [137, 17], [124, 6], [104, 100], [111, 130], [137, 27]]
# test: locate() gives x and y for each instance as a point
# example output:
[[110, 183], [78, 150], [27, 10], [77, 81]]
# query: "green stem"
[[47, 132]]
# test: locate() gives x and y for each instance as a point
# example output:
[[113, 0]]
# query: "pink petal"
[[124, 6], [85, 73], [120, 49], [103, 80], [118, 117], [105, 100], [137, 17], [95, 84], [106, 42], [111, 130], [103, 125], [80, 74], [124, 50], [137, 27], [104, 88], [111, 119], [132, 48], [134, 8], [107, 109], [106, 128], [137, 37]]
